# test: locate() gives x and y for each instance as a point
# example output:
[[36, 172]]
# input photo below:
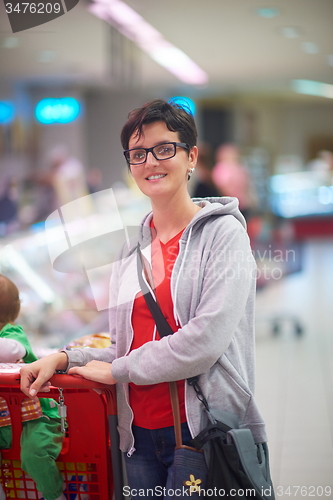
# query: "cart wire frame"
[[90, 460]]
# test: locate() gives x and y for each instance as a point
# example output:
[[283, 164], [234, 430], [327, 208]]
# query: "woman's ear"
[[193, 157]]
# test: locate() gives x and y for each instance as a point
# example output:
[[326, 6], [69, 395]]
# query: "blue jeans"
[[149, 466]]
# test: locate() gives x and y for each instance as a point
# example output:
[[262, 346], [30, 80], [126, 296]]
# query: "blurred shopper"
[[204, 185], [67, 176], [63, 181], [8, 206], [95, 180], [323, 165], [231, 177]]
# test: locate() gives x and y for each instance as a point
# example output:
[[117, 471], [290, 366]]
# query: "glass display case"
[[306, 193], [59, 305]]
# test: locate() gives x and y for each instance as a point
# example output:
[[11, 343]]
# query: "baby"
[[41, 438]]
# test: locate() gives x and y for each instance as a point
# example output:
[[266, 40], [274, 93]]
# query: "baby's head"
[[9, 301]]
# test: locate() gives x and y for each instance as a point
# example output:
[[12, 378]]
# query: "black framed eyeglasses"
[[164, 151]]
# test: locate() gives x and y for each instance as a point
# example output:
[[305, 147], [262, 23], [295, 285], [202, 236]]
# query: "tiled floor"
[[295, 375]]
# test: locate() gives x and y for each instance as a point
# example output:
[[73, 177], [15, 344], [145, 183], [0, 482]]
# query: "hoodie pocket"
[[226, 390]]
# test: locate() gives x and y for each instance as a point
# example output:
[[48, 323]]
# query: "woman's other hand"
[[98, 371], [35, 377]]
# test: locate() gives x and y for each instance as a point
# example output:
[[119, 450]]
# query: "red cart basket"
[[90, 460]]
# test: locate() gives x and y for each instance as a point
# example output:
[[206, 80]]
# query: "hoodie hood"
[[224, 205], [214, 206]]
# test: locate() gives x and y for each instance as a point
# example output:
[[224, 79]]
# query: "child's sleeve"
[[11, 351]]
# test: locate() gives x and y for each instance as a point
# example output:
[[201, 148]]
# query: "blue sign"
[[61, 110], [6, 112], [184, 102]]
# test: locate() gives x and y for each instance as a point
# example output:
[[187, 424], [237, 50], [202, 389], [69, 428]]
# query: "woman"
[[204, 277]]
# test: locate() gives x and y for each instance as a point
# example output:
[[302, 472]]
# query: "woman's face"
[[161, 178]]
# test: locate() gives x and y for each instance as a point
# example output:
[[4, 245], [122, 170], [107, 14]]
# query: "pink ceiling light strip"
[[143, 34]]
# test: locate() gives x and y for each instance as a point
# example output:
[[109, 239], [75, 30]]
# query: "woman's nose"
[[151, 160]]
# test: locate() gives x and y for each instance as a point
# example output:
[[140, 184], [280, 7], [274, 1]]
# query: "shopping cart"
[[90, 460]]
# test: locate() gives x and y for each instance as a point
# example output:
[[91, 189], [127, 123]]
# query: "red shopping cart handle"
[[60, 380], [76, 382]]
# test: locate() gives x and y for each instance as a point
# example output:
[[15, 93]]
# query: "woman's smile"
[[155, 177]]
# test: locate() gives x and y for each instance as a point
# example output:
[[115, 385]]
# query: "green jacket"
[[16, 332]]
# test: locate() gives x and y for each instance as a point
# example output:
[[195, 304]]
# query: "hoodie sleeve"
[[11, 350], [217, 291]]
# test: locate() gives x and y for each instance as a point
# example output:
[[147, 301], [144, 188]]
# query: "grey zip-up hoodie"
[[213, 292]]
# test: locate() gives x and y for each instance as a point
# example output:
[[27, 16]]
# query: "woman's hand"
[[98, 371], [35, 377]]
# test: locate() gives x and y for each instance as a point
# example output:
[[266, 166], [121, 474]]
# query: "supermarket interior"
[[259, 80]]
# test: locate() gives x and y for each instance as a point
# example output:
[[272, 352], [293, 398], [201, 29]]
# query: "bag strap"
[[164, 329], [176, 413], [162, 325]]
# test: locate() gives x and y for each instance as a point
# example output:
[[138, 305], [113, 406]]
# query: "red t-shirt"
[[151, 404]]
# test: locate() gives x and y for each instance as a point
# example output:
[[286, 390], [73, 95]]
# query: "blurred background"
[[258, 76]]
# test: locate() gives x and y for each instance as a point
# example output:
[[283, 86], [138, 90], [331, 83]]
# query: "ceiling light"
[[310, 48], [290, 32], [11, 42], [46, 56], [267, 12], [144, 35], [310, 87], [178, 63]]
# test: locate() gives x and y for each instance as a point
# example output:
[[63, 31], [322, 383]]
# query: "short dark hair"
[[175, 117], [9, 301]]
